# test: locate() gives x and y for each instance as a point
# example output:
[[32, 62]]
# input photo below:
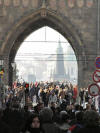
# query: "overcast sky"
[[31, 47]]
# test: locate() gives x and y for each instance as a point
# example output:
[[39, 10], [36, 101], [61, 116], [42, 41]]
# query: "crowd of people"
[[46, 92], [48, 107]]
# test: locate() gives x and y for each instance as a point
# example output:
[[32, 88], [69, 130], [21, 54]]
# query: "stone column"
[[6, 71]]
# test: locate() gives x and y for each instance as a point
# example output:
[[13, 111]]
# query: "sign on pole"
[[97, 63], [96, 76], [94, 89]]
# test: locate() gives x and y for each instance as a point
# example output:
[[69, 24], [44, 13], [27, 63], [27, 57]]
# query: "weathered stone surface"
[[35, 3], [16, 2], [71, 3], [0, 2], [89, 3], [53, 4], [7, 2], [62, 7], [25, 3], [11, 18], [4, 12], [80, 3]]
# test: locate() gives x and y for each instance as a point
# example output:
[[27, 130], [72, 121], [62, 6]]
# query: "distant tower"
[[59, 72]]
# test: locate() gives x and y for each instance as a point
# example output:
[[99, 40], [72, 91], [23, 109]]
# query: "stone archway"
[[34, 21]]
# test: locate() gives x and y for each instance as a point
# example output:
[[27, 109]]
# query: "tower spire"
[[60, 73]]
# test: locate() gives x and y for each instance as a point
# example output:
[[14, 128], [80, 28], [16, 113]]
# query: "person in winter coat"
[[33, 125], [91, 122], [4, 128], [79, 123], [53, 98], [46, 116], [64, 126]]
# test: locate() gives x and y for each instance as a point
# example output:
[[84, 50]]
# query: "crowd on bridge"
[[47, 92], [48, 107]]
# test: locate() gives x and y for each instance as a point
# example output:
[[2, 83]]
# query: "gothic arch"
[[35, 20]]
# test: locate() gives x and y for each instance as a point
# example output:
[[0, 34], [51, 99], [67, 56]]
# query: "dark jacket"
[[4, 128], [90, 130], [37, 130], [64, 127], [50, 128]]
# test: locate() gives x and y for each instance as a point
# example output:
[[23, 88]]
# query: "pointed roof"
[[59, 48]]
